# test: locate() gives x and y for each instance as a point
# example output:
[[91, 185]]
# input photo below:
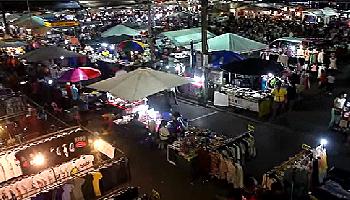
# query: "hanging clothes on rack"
[[227, 160]]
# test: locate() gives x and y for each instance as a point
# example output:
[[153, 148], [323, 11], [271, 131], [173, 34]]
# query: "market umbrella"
[[253, 66], [220, 58], [130, 45], [5, 44], [79, 74], [114, 39], [47, 53], [30, 22], [139, 84]]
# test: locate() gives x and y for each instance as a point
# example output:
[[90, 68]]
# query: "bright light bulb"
[[98, 143], [38, 159], [324, 142]]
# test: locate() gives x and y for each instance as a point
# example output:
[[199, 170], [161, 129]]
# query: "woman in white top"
[[338, 105], [320, 57], [333, 63], [163, 134]]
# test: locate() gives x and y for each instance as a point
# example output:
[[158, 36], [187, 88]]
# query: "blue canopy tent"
[[220, 58]]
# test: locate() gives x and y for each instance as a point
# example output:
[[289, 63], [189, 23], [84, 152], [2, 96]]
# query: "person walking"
[[291, 96], [279, 99], [163, 134], [338, 105], [330, 84]]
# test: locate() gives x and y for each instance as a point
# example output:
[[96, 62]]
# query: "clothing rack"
[[5, 117], [61, 181], [40, 140], [291, 161], [232, 140]]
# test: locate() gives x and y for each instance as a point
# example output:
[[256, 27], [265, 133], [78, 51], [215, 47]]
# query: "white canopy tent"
[[231, 42], [139, 84], [185, 36], [120, 30]]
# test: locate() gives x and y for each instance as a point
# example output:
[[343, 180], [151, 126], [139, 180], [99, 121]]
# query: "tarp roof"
[[120, 30], [185, 36], [231, 42]]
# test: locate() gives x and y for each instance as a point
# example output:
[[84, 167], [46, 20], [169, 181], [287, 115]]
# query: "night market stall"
[[185, 36], [72, 159], [232, 42], [120, 30], [129, 90], [48, 53], [251, 86], [209, 154]]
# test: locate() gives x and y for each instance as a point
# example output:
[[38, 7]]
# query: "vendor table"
[[184, 162], [237, 98], [262, 107]]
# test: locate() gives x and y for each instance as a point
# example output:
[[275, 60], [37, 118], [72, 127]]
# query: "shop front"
[[72, 162]]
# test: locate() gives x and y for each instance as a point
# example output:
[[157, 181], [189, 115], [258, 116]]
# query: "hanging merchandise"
[[12, 104], [302, 172], [217, 156], [56, 149]]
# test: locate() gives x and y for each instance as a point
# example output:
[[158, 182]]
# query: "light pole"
[[150, 32], [4, 19], [204, 23]]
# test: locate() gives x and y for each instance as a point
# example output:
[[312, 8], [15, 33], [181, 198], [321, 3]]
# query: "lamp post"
[[150, 32], [7, 31], [204, 23]]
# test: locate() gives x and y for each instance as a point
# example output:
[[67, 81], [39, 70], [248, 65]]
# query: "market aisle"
[[274, 143], [150, 170]]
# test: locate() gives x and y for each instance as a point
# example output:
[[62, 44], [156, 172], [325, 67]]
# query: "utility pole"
[[30, 14], [7, 31], [151, 39], [204, 21]]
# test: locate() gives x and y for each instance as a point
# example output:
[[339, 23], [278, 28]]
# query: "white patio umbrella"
[[47, 53], [139, 84]]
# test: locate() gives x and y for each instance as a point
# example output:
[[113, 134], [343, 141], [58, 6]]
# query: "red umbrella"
[[79, 74]]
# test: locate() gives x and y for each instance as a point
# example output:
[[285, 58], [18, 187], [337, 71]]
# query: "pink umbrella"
[[79, 74]]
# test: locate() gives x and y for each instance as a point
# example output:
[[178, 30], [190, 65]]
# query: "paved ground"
[[275, 142]]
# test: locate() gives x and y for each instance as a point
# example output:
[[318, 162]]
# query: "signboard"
[[62, 24], [56, 151], [105, 148]]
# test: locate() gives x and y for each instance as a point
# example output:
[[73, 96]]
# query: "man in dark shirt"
[[291, 96]]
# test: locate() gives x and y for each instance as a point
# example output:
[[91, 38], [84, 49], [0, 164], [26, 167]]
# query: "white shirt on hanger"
[[15, 164], [2, 174], [8, 170]]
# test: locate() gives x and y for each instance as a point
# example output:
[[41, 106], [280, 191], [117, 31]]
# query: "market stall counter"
[[245, 98]]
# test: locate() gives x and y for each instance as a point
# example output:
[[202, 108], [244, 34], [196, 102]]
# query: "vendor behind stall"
[[279, 98]]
